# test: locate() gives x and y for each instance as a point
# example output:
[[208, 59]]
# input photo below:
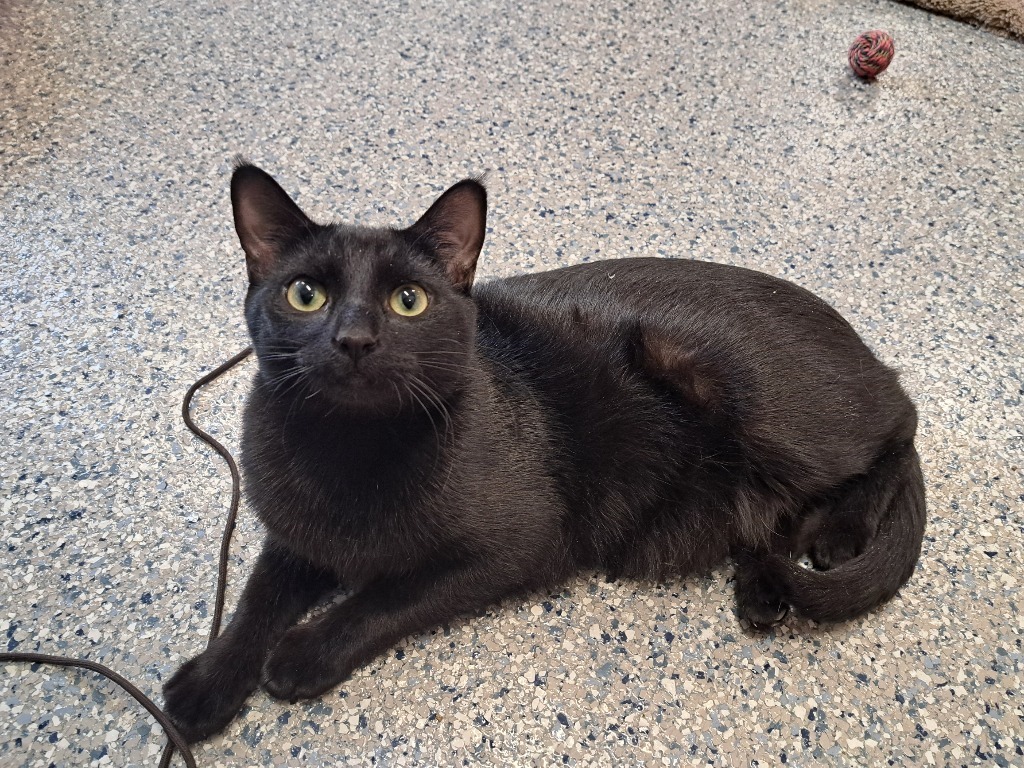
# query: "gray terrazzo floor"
[[708, 130]]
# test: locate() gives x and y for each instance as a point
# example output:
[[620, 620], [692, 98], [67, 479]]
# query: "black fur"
[[646, 418]]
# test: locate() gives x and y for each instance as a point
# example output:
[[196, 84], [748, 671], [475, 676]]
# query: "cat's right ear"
[[266, 219]]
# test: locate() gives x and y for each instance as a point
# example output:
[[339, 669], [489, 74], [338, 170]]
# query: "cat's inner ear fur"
[[454, 227], [266, 219]]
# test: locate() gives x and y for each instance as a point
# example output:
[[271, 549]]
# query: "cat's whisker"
[[435, 357], [439, 441], [459, 353], [272, 385], [277, 348], [432, 354], [424, 408], [331, 410], [294, 379], [398, 393], [435, 399], [447, 367], [449, 435], [302, 382], [440, 355], [447, 340], [291, 378]]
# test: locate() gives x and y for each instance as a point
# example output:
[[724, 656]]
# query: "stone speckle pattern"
[[708, 130]]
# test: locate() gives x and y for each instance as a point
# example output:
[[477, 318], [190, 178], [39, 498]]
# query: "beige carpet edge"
[[1004, 16]]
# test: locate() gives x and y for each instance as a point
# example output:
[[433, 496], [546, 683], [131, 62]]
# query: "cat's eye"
[[408, 300], [305, 295]]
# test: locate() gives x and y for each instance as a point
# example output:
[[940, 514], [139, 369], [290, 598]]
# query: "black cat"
[[436, 446]]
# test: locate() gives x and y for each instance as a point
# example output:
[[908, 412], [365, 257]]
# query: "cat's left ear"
[[455, 226]]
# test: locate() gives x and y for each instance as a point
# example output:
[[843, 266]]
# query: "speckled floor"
[[720, 131]]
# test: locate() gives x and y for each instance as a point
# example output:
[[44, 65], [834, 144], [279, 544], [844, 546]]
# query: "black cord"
[[174, 739], [229, 525]]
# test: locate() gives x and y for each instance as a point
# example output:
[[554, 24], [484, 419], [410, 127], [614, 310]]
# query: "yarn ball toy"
[[871, 53]]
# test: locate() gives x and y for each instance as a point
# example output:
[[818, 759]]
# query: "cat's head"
[[359, 320]]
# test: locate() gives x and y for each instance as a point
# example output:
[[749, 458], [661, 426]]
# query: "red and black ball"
[[871, 53]]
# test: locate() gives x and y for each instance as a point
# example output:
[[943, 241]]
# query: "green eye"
[[305, 295], [408, 300]]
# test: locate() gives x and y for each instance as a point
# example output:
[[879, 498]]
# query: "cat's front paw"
[[304, 665], [205, 694]]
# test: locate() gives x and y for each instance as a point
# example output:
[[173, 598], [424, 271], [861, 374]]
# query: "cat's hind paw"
[[762, 615], [840, 541], [757, 601]]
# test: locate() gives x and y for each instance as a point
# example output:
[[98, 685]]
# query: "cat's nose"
[[355, 344]]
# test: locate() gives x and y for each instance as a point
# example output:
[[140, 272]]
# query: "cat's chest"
[[357, 530], [358, 516]]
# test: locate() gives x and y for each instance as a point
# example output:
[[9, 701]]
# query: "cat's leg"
[[315, 656], [758, 597], [878, 516], [684, 370], [206, 693], [848, 524]]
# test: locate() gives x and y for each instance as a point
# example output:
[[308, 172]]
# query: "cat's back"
[[664, 291], [789, 367], [730, 312]]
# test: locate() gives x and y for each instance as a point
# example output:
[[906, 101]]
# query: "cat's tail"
[[892, 493]]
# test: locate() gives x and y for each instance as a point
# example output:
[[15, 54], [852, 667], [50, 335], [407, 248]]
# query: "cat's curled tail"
[[861, 570]]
